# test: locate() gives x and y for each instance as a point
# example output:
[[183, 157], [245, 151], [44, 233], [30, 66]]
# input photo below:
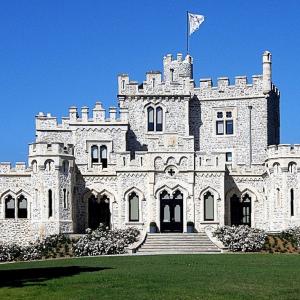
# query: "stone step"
[[168, 251], [175, 245]]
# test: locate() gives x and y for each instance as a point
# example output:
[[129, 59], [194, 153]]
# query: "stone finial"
[[267, 72]]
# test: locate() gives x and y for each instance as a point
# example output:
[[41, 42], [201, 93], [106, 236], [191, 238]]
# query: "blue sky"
[[58, 53]]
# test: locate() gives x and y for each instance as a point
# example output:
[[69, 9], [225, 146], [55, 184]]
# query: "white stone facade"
[[174, 153]]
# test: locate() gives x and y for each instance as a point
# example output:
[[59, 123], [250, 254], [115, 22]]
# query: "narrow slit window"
[[50, 204], [292, 203], [133, 207], [208, 207]]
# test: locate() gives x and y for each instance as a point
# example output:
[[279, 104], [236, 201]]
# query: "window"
[[229, 157], [172, 74], [103, 156], [9, 207], [229, 126], [208, 207], [150, 111], [155, 119], [292, 202], [22, 207], [65, 166], [50, 204], [224, 123], [292, 168], [133, 207], [95, 154], [159, 119], [220, 127], [65, 197]]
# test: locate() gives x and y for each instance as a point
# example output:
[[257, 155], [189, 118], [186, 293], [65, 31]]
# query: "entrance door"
[[99, 212], [171, 212], [240, 210]]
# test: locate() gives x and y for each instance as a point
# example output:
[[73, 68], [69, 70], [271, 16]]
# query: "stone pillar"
[[267, 72]]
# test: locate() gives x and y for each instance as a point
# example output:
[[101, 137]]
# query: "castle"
[[175, 152]]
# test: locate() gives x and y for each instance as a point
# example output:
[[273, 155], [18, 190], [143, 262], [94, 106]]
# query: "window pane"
[[150, 119], [229, 127], [95, 154], [219, 115], [166, 214], [133, 208], [177, 213], [220, 127], [228, 157], [229, 114], [103, 150], [159, 119], [208, 207]]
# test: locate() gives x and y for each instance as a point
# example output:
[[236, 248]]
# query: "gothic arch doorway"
[[240, 210], [99, 211], [171, 212]]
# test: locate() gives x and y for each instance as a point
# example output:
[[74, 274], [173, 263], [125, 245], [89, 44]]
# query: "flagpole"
[[187, 32]]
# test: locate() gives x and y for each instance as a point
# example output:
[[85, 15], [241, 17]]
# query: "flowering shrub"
[[292, 235], [48, 247], [241, 238], [103, 241]]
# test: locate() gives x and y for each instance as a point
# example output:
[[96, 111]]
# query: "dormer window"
[[155, 119]]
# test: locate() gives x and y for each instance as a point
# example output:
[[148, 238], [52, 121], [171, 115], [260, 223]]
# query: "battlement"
[[8, 168], [48, 122], [46, 149], [177, 78], [283, 151]]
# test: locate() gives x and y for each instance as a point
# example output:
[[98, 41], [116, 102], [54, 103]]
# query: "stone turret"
[[267, 72], [176, 70]]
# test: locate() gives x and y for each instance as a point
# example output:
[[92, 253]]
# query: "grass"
[[228, 276]]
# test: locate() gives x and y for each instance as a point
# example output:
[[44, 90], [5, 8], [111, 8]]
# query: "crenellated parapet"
[[283, 157], [19, 168], [98, 117], [177, 78]]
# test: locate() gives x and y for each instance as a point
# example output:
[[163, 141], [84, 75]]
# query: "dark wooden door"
[[99, 212], [171, 212]]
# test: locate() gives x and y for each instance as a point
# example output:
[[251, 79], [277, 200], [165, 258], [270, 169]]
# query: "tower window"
[[150, 111], [159, 119], [103, 156], [229, 157], [50, 204], [292, 202], [9, 207], [224, 123], [220, 127], [95, 154]]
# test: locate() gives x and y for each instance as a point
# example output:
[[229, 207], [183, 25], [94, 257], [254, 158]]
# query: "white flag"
[[195, 21]]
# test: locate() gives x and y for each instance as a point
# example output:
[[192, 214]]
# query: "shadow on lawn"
[[35, 276]]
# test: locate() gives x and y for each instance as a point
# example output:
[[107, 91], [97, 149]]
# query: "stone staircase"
[[169, 243]]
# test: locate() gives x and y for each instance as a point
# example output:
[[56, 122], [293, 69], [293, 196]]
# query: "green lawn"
[[228, 276]]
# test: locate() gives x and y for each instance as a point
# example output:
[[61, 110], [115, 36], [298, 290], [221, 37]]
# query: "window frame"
[[227, 116], [130, 198], [205, 199], [155, 127]]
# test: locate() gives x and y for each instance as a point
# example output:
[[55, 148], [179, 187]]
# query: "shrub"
[[103, 241], [292, 235], [241, 238]]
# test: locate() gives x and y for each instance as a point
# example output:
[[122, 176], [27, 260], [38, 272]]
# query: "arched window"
[[208, 207], [292, 167], [49, 165], [9, 207], [95, 154], [246, 210], [150, 112], [22, 207], [276, 167], [65, 166], [50, 204], [34, 166], [292, 202], [133, 207], [103, 156], [159, 119]]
